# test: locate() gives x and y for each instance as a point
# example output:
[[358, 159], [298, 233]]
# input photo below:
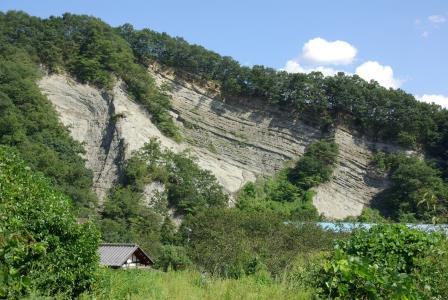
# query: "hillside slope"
[[235, 142]]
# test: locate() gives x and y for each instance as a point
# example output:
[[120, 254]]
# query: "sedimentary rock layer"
[[236, 142]]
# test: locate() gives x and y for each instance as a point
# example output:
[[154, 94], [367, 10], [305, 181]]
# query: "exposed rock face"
[[234, 142], [109, 125], [86, 111], [353, 182]]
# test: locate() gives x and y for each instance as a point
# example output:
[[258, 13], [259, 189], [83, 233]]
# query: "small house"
[[124, 256]]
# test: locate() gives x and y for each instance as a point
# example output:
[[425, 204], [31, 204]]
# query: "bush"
[[432, 275], [188, 188], [233, 243], [382, 262], [173, 258], [316, 165], [416, 193], [42, 248], [288, 193], [126, 218], [277, 195]]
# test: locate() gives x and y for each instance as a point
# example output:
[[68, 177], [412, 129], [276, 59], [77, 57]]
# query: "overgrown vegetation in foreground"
[[385, 262], [189, 284]]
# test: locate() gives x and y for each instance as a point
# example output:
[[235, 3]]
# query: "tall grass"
[[185, 285]]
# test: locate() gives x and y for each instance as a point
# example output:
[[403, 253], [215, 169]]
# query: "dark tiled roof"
[[115, 255]]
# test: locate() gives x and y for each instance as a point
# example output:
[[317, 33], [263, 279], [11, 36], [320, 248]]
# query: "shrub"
[[417, 192], [233, 243], [432, 275], [277, 195], [188, 187], [126, 218], [378, 263], [316, 165], [42, 248], [173, 257]]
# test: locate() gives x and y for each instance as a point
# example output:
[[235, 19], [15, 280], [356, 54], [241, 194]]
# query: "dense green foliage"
[[288, 192], [277, 195], [315, 166], [29, 123], [187, 189], [385, 262], [341, 99], [233, 243], [90, 50], [416, 193], [126, 218], [42, 248], [173, 258]]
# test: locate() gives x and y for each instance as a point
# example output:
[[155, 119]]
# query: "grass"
[[186, 285]]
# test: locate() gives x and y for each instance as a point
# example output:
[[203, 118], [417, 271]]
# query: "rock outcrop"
[[109, 125], [354, 183], [87, 113], [237, 143]]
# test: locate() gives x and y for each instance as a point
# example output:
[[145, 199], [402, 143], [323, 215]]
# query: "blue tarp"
[[348, 226]]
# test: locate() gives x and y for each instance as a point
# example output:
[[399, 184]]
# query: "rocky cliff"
[[235, 142], [354, 182], [109, 125]]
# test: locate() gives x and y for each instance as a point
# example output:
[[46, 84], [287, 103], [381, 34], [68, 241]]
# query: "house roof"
[[115, 255]]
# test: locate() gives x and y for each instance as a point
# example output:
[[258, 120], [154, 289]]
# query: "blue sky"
[[399, 43]]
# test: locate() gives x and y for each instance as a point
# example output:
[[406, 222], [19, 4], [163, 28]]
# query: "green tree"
[[42, 248], [417, 191], [316, 165]]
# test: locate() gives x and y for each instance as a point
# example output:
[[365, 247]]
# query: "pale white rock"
[[86, 112], [135, 125], [109, 124], [153, 193]]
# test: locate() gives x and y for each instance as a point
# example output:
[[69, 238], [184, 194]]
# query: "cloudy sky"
[[400, 44]]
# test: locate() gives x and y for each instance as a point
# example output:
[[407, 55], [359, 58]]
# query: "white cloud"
[[322, 52], [293, 66], [317, 53], [437, 99], [427, 25], [437, 19], [384, 75]]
